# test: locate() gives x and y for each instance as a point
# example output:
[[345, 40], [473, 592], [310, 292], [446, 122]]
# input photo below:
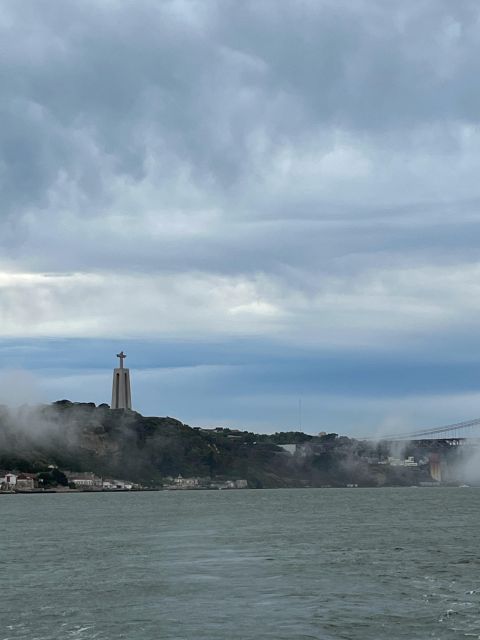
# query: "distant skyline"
[[259, 201]]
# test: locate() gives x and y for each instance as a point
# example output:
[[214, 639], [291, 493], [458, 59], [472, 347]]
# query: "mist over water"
[[357, 564], [466, 464]]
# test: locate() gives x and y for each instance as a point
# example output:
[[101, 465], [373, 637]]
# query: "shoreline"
[[161, 490]]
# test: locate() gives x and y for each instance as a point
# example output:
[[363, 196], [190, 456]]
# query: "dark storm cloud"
[[366, 65], [104, 103], [92, 92]]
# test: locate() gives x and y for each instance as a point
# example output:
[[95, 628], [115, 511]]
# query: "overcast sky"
[[263, 203]]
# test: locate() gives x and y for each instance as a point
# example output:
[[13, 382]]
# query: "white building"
[[186, 483], [289, 448], [83, 479], [8, 480], [397, 462], [117, 484]]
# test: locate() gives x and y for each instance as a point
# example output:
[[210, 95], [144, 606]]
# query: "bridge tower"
[[121, 393], [435, 468]]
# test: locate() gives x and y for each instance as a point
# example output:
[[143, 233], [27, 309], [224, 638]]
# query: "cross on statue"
[[122, 357]]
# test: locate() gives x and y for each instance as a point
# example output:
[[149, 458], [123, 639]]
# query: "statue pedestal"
[[121, 394]]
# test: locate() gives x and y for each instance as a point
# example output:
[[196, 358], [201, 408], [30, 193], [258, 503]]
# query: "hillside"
[[125, 444]]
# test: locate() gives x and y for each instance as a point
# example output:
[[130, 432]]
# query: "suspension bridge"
[[457, 431]]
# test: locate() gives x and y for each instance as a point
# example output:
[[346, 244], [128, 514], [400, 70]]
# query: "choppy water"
[[240, 565]]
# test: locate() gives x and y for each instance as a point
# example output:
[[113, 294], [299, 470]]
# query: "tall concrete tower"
[[121, 394]]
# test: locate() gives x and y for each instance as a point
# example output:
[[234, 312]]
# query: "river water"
[[240, 565]]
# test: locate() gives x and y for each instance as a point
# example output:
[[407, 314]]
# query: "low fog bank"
[[73, 436], [125, 444], [463, 464]]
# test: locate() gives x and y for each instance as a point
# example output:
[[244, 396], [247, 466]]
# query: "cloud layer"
[[304, 172]]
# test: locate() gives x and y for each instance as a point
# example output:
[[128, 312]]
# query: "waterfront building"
[[85, 479], [186, 483], [7, 480], [397, 462], [123, 485], [25, 481]]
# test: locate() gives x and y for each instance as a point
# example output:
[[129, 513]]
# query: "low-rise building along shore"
[[87, 481], [181, 483]]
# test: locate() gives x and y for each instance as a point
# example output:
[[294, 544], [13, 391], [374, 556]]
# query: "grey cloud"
[[303, 139], [365, 64], [297, 170], [191, 88]]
